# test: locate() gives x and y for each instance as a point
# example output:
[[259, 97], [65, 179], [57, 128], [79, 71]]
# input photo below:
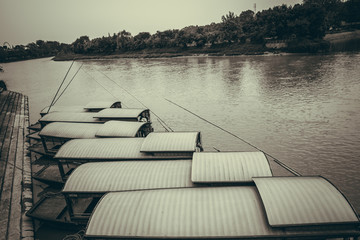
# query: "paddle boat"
[[120, 114], [95, 106], [90, 181], [156, 145], [55, 134], [305, 207]]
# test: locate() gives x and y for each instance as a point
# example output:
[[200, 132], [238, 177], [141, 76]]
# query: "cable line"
[[52, 102], [232, 134], [167, 127], [68, 84], [103, 87]]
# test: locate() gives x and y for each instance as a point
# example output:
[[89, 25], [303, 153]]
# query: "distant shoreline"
[[334, 42]]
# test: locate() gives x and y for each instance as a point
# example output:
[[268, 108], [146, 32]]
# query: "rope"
[[52, 102], [102, 86], [167, 127], [68, 84], [162, 125], [77, 236], [275, 159]]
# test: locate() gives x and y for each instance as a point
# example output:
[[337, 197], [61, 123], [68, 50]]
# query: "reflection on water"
[[304, 110]]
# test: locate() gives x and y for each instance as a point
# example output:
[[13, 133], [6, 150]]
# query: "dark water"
[[303, 110]]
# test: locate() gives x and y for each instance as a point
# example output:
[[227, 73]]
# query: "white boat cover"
[[102, 177], [91, 106], [70, 130], [120, 113], [294, 201], [62, 109], [99, 105], [119, 129], [181, 213], [229, 166], [177, 145], [171, 142], [198, 213], [105, 149], [84, 117]]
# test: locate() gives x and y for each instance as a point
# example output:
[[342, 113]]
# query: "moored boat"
[[120, 194], [156, 145], [55, 134], [90, 181], [90, 107], [121, 114], [276, 207]]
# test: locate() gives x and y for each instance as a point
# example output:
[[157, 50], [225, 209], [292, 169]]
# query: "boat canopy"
[[106, 149], [172, 142], [100, 105], [209, 212], [45, 110], [229, 166], [69, 130], [105, 177], [91, 106], [296, 201], [173, 145], [121, 129], [83, 117], [124, 113], [180, 213]]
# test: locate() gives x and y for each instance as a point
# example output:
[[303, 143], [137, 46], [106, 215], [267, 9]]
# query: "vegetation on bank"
[[298, 28]]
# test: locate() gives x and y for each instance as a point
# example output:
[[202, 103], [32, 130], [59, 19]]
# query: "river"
[[304, 110]]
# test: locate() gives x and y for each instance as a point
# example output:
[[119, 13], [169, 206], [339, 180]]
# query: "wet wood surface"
[[15, 167]]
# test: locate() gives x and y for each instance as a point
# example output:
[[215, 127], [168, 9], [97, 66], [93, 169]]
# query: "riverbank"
[[334, 42], [223, 50]]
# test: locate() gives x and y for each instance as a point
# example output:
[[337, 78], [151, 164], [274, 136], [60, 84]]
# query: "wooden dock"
[[15, 167]]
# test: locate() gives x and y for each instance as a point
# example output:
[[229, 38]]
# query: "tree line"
[[302, 23]]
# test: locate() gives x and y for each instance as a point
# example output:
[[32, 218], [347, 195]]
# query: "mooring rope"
[[103, 86], [52, 102], [232, 134], [167, 127], [68, 84]]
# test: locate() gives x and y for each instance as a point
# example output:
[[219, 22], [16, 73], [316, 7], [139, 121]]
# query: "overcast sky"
[[25, 21]]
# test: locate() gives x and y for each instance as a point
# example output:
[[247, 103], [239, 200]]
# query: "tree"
[[231, 27], [80, 44], [123, 40], [141, 40]]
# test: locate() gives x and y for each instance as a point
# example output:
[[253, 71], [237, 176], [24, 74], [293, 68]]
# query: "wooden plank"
[[27, 226], [4, 118], [5, 136], [15, 210], [8, 178], [3, 100], [15, 168]]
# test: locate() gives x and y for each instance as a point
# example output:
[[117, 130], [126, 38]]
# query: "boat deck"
[[15, 167]]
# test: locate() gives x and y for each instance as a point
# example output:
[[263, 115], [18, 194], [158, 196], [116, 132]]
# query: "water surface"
[[303, 110]]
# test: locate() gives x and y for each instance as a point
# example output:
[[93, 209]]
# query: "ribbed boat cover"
[[303, 200], [109, 148], [85, 117], [181, 213], [118, 113], [99, 105], [229, 166], [70, 130], [62, 109], [119, 129], [170, 142], [101, 177]]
